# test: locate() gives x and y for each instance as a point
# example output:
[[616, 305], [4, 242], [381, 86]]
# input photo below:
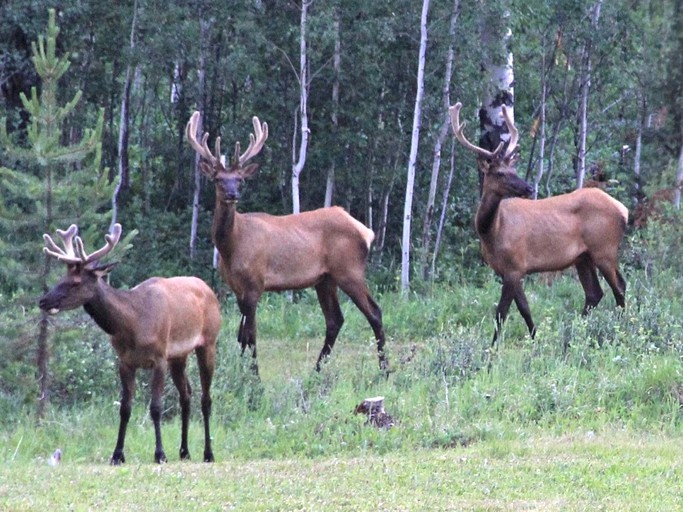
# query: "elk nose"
[[44, 304]]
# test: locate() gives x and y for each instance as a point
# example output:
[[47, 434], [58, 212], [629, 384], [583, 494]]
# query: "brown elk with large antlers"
[[520, 236], [325, 249], [154, 325]]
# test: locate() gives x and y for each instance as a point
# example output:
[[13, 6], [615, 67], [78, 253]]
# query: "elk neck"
[[224, 224], [106, 308], [487, 211]]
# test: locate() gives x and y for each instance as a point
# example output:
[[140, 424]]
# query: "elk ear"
[[103, 270], [249, 170], [511, 160], [207, 170], [484, 165]]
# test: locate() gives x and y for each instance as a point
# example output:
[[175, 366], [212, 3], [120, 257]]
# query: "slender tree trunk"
[[500, 77], [585, 92], [336, 62], [542, 122], [637, 184], [443, 133], [444, 206], [123, 162], [43, 342], [408, 207], [298, 164], [679, 174], [201, 105]]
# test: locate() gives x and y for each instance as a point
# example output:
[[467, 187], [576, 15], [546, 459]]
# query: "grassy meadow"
[[585, 417]]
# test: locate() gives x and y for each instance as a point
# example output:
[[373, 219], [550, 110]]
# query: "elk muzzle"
[[228, 188], [50, 302]]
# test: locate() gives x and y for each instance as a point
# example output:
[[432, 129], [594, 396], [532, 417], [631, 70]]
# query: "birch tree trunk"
[[443, 133], [585, 92], [542, 122], [201, 78], [123, 163], [679, 174], [637, 178], [408, 207], [444, 206], [336, 63], [495, 40], [298, 163]]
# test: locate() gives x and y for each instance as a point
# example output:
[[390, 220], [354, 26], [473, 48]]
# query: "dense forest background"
[[139, 68]]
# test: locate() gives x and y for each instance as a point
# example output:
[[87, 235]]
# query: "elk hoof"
[[117, 459], [160, 457], [184, 454], [208, 457]]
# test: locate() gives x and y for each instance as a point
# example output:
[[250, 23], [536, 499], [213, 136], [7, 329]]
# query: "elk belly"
[[183, 346]]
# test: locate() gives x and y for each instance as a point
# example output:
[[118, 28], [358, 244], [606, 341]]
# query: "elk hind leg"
[[588, 277], [156, 406], [206, 361], [179, 376], [359, 293], [127, 375], [610, 271], [523, 308], [334, 318]]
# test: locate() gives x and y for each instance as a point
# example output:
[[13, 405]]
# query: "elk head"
[[228, 180], [498, 167], [84, 271]]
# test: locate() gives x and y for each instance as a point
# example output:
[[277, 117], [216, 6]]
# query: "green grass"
[[528, 425], [583, 471]]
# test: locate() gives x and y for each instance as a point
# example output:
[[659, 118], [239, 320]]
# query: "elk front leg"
[[334, 318], [182, 384], [508, 293], [156, 406], [127, 375], [247, 331], [206, 360]]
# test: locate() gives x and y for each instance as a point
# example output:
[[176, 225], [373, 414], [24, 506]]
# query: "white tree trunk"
[[123, 168], [299, 163], [408, 207], [336, 63], [541, 134], [201, 78], [679, 176], [444, 206], [443, 133], [585, 92]]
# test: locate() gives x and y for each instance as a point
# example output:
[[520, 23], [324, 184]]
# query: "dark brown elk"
[[520, 236], [653, 207], [325, 249], [154, 325]]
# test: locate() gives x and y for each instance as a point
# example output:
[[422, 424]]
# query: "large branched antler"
[[514, 133], [202, 147], [68, 254], [454, 112], [77, 255], [256, 142]]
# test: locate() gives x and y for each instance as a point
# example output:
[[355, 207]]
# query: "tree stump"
[[374, 409]]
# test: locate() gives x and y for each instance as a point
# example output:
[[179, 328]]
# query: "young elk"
[[325, 248], [520, 236], [154, 325]]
